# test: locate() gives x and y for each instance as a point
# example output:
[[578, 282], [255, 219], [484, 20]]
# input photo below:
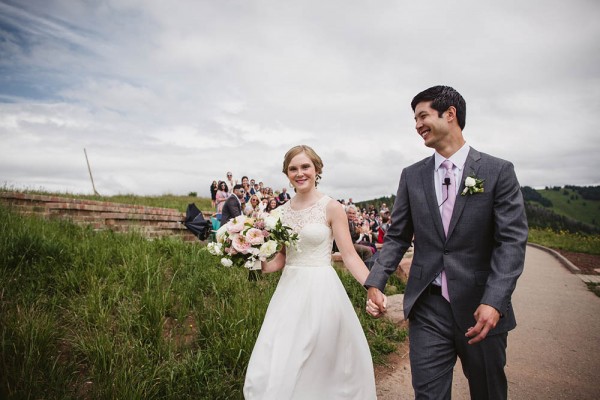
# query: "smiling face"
[[302, 173], [239, 193], [434, 129]]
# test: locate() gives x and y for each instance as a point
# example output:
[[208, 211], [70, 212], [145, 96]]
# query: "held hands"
[[376, 303], [487, 317]]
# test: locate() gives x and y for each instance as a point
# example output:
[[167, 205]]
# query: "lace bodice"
[[315, 235]]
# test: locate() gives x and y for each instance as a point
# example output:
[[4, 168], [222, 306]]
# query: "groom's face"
[[430, 126]]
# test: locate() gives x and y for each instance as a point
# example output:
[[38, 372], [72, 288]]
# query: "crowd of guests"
[[368, 225], [253, 196]]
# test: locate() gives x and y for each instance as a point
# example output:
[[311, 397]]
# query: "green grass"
[[594, 287], [569, 203], [576, 243], [166, 200], [99, 315]]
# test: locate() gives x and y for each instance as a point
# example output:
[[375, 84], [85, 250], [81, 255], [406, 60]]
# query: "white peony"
[[470, 181], [267, 249], [220, 235], [271, 222], [276, 213], [226, 262]]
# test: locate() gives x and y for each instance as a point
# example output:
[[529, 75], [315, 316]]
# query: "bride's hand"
[[376, 303]]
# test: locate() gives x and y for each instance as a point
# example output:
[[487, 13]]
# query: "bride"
[[311, 344]]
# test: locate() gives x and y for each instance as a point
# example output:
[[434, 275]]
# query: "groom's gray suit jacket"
[[484, 252]]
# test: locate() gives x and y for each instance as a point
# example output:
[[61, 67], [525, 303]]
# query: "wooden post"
[[90, 171]]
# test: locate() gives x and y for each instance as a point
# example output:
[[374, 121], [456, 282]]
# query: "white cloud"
[[168, 96]]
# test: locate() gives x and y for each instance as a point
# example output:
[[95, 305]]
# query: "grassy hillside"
[[99, 315], [570, 204]]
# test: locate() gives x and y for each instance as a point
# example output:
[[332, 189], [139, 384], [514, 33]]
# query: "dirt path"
[[554, 353]]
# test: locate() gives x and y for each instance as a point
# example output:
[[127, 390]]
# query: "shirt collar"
[[458, 159]]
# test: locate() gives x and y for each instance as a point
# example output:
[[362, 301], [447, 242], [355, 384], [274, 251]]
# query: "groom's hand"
[[376, 303], [487, 317]]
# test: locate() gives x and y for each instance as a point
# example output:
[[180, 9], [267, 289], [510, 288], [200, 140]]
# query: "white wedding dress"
[[311, 345]]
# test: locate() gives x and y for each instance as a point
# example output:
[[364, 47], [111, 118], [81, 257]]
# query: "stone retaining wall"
[[152, 222]]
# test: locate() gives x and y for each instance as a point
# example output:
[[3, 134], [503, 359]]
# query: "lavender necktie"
[[449, 195]]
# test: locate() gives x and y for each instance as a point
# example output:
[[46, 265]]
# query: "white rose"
[[470, 181], [267, 249], [226, 262], [221, 234], [271, 222], [276, 213], [216, 249]]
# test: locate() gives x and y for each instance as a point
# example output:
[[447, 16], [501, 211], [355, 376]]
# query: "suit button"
[[446, 251]]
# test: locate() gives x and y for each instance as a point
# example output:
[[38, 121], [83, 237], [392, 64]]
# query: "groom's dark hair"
[[442, 97]]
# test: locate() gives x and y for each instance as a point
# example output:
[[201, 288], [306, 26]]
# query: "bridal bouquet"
[[245, 241]]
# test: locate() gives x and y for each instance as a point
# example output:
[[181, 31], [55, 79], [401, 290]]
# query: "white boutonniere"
[[473, 185]]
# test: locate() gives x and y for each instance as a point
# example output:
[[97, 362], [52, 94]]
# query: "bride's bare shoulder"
[[335, 209]]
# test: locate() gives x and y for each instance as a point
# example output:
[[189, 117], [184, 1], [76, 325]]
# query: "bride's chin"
[[304, 188]]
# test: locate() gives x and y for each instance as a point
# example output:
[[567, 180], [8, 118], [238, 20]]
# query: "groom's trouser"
[[436, 341]]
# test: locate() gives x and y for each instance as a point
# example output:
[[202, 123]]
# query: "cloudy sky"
[[168, 95]]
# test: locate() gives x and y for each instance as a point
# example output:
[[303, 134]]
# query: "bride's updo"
[[314, 157]]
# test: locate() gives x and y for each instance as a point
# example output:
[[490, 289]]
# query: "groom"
[[465, 211]]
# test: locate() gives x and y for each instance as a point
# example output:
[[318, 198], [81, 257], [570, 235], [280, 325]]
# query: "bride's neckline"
[[309, 207]]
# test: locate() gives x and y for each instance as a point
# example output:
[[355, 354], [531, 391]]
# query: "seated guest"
[[385, 224], [365, 252], [257, 191], [272, 204], [233, 205], [252, 206], [284, 196]]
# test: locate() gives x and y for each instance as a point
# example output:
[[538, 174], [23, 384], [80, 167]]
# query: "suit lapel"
[[428, 181], [471, 168]]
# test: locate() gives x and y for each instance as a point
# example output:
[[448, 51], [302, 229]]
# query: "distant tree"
[[530, 194], [586, 192], [540, 217], [388, 200]]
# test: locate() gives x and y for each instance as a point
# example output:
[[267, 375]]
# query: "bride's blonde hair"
[[314, 157]]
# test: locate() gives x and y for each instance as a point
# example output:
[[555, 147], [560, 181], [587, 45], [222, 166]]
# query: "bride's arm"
[[276, 264], [341, 232]]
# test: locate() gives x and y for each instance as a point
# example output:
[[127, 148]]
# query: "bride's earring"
[[317, 179]]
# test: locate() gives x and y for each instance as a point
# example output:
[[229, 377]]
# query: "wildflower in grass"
[[216, 249]]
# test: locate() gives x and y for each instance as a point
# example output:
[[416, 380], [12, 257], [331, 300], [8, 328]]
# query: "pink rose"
[[240, 244], [255, 236], [236, 225]]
